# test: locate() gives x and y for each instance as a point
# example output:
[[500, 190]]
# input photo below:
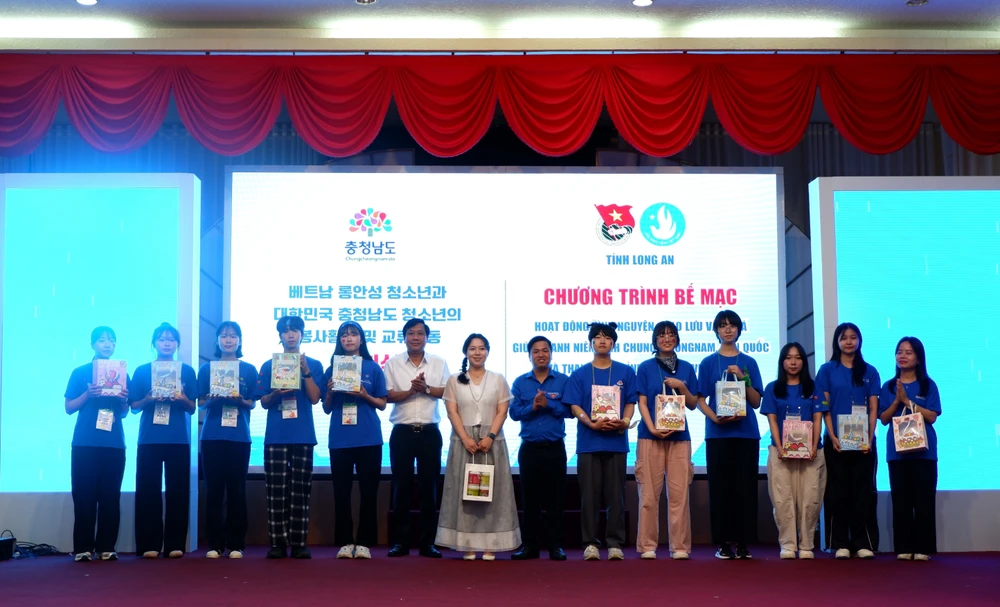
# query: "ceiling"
[[498, 25]]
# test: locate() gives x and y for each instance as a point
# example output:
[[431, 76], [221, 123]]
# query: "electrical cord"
[[23, 550]]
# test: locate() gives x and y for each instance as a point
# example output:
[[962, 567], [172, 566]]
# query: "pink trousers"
[[654, 460]]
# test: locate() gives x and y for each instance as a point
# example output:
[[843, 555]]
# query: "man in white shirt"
[[415, 381]]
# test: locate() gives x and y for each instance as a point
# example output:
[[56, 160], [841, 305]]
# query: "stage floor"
[[949, 579]]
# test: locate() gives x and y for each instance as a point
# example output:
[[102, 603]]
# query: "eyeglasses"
[[667, 335]]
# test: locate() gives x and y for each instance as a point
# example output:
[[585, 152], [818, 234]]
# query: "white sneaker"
[[904, 556], [590, 553], [235, 554], [680, 555], [649, 555], [806, 554], [921, 557], [150, 554], [109, 556], [362, 552], [489, 556], [82, 557], [212, 554], [787, 555], [865, 553], [469, 556], [842, 554], [346, 552], [615, 554]]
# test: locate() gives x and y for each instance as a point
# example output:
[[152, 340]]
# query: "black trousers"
[[850, 489], [96, 474], [155, 531], [542, 468], [602, 475], [913, 483], [406, 445], [224, 464], [731, 467], [368, 462]]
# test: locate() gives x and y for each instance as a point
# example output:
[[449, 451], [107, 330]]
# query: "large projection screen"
[[509, 253], [914, 257]]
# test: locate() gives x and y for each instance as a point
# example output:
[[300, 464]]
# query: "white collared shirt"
[[419, 408]]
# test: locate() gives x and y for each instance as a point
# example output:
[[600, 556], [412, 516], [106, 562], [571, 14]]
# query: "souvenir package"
[[670, 412], [285, 371], [225, 379], [110, 375], [166, 378], [909, 432], [346, 373], [852, 432], [730, 398], [796, 437], [478, 482], [604, 402]]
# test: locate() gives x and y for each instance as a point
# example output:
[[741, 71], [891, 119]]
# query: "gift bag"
[[669, 411], [909, 432], [730, 398], [796, 438], [478, 485]]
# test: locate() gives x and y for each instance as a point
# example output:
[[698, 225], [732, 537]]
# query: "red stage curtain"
[[552, 102]]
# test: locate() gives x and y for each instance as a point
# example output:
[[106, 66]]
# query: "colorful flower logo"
[[370, 221]]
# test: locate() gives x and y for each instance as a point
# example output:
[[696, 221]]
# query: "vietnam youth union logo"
[[616, 223], [662, 224], [370, 221]]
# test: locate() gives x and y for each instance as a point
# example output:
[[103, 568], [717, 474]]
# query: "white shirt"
[[419, 408]]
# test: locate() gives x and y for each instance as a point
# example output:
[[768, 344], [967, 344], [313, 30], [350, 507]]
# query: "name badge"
[[349, 415], [105, 419], [859, 410], [289, 409], [229, 417], [161, 415]]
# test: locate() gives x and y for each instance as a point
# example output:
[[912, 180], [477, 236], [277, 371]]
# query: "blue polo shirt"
[[835, 379], [368, 431], [86, 434], [649, 382], [578, 392], [930, 401], [785, 408], [178, 431], [547, 424], [299, 430], [710, 371], [213, 429]]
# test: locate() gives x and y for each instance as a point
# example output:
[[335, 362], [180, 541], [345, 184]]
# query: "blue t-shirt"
[[835, 379], [547, 424], [649, 381], [299, 430], [578, 392], [213, 429], [931, 401], [785, 408], [368, 431], [86, 434], [178, 430], [711, 370]]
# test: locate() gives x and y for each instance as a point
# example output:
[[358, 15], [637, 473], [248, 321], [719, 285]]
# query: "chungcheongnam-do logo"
[[370, 221], [662, 224]]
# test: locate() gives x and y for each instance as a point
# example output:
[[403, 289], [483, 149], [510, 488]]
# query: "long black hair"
[[463, 376], [923, 380], [229, 324], [362, 349], [805, 375], [860, 366]]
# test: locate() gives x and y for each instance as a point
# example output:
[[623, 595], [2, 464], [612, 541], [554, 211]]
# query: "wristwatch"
[[427, 389], [492, 436]]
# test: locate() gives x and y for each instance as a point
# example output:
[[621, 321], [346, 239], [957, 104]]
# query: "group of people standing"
[[477, 402]]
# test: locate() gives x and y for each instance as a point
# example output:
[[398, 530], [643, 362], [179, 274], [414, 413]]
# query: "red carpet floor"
[[950, 579]]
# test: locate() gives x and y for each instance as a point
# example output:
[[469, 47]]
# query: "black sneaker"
[[724, 552], [276, 552], [743, 553], [301, 552]]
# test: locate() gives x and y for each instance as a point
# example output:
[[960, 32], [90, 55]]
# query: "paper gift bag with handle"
[[669, 411], [478, 485], [730, 397], [909, 432]]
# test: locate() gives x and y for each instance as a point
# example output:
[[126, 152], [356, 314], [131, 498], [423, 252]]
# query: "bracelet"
[[307, 376], [746, 380]]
